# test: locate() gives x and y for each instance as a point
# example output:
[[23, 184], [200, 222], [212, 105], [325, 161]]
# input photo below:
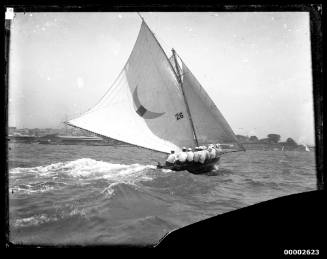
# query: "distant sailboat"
[[307, 148], [158, 104]]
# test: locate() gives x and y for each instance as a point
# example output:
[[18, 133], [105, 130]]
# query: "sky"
[[256, 66]]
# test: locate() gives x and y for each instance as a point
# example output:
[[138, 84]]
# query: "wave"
[[83, 168], [150, 222], [257, 183], [85, 171], [33, 221], [110, 190], [41, 219], [124, 190]]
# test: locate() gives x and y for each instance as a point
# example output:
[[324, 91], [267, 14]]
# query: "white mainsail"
[[145, 106]]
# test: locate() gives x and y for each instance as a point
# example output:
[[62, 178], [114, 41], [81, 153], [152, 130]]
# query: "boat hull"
[[194, 168]]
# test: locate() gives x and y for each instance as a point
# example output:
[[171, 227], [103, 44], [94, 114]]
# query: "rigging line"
[[185, 100], [163, 43], [170, 65], [140, 16], [156, 36]]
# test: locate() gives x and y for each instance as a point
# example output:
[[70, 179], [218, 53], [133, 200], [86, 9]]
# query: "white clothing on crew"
[[190, 156], [202, 156], [171, 158], [196, 156], [182, 156], [212, 153]]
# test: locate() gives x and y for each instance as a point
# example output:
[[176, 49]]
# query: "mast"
[[185, 100]]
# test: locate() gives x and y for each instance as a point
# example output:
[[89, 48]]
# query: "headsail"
[[145, 105], [210, 124]]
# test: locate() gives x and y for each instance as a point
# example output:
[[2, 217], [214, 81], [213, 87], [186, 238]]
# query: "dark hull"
[[194, 168]]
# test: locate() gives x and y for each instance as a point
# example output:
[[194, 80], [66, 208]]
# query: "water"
[[98, 195]]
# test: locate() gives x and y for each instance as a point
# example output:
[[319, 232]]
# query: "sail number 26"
[[179, 116]]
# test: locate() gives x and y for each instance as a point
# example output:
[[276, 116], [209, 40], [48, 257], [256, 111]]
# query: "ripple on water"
[[83, 194]]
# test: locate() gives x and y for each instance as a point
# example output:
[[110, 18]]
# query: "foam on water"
[[89, 200], [110, 191], [33, 221], [28, 189], [166, 171], [83, 170], [40, 219]]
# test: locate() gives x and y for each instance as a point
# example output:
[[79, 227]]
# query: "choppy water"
[[91, 195]]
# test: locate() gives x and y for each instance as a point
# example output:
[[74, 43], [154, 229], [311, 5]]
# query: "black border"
[[316, 22]]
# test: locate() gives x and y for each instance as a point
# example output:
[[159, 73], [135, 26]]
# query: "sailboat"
[[157, 103], [306, 148]]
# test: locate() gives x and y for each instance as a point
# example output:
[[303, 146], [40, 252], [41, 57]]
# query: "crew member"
[[181, 156], [218, 150], [202, 156], [171, 158], [212, 152], [196, 154], [207, 153], [190, 155], [219, 147]]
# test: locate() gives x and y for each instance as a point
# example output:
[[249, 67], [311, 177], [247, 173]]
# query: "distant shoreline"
[[97, 141], [282, 146]]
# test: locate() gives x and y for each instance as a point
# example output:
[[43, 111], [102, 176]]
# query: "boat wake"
[[79, 172]]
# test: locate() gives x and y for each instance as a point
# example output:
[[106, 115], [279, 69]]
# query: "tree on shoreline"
[[274, 138], [291, 142], [254, 139], [242, 138]]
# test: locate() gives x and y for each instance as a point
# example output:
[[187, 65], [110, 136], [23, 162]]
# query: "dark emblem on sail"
[[179, 116], [141, 110]]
